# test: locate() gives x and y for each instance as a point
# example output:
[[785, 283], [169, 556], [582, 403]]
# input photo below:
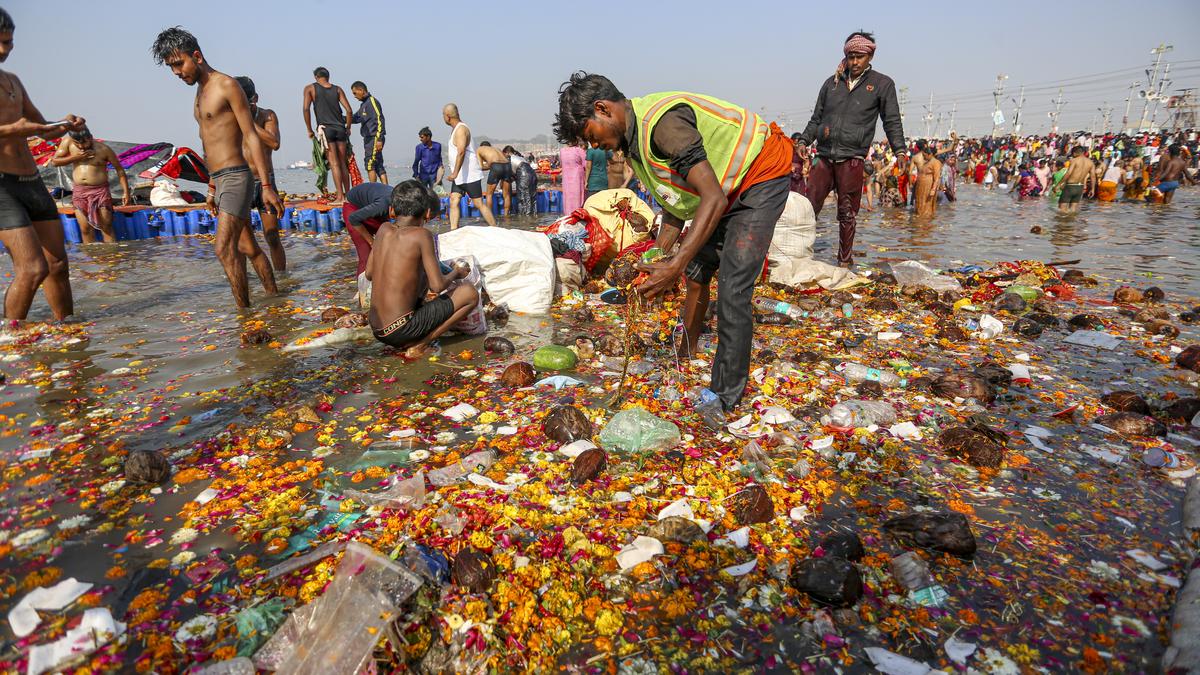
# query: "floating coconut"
[[519, 374], [566, 423]]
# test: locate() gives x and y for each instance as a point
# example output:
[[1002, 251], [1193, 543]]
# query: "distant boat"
[[300, 165]]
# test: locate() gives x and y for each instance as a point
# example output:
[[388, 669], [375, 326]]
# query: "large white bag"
[[517, 266], [795, 231]]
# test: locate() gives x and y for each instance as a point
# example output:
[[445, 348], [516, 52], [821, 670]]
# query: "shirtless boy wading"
[[1079, 180], [29, 225], [223, 114], [90, 195]]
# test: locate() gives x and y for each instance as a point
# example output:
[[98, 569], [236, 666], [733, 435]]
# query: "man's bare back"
[[489, 155], [1080, 170], [1173, 170], [397, 271], [265, 120]]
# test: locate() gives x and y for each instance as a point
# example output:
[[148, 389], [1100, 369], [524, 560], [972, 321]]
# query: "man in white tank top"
[[466, 176]]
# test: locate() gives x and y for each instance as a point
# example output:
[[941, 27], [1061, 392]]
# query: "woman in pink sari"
[[573, 159]]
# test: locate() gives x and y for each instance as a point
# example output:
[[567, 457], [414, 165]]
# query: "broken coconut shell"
[[610, 345], [1189, 358], [566, 423], [955, 385], [351, 320], [676, 528], [844, 545], [1010, 302], [882, 305], [496, 315], [256, 336], [830, 581], [147, 466], [752, 505], [1164, 328], [1153, 294], [951, 331], [887, 278], [1027, 327], [500, 346], [1046, 319], [978, 449], [473, 570], [333, 314], [587, 465], [1127, 295], [948, 532], [1125, 401], [997, 376], [519, 374], [1132, 424], [1086, 322], [1183, 409]]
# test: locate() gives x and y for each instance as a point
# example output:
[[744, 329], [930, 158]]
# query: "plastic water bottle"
[[913, 574], [858, 413], [772, 305], [857, 372], [455, 472]]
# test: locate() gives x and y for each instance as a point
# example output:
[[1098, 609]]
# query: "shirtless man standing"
[[266, 125], [1079, 180], [499, 170], [90, 194], [29, 225], [223, 114], [466, 175], [1172, 171]]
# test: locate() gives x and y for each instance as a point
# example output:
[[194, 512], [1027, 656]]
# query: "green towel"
[[319, 166]]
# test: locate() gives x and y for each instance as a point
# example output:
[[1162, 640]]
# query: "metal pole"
[[1128, 101], [1163, 86], [1152, 88], [1017, 115], [996, 94]]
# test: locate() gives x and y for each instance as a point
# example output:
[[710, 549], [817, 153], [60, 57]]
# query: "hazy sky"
[[502, 62]]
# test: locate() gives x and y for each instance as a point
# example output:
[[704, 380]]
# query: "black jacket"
[[843, 121]]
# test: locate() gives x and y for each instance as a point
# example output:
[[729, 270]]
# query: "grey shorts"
[[234, 190], [24, 200]]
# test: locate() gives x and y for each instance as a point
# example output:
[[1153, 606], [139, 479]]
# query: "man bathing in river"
[[410, 305], [1079, 180], [90, 194], [266, 125], [1171, 171], [226, 125], [29, 225]]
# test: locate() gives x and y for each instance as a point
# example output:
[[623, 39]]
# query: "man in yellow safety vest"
[[705, 160]]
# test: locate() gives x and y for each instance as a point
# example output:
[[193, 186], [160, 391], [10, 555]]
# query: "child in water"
[[412, 302]]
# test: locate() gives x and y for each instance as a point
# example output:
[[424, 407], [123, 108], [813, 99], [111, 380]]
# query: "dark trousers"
[[846, 177], [738, 246]]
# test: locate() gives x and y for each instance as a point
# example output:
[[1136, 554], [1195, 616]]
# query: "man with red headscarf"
[[843, 126]]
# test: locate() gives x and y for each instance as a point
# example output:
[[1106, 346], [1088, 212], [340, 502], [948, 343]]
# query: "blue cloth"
[[1168, 186], [428, 161]]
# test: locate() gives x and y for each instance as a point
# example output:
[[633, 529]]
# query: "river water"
[[157, 354]]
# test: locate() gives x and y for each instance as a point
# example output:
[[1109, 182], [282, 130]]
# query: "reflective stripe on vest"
[[732, 137]]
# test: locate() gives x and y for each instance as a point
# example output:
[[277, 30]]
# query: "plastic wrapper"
[[913, 273], [408, 493], [337, 632], [636, 430]]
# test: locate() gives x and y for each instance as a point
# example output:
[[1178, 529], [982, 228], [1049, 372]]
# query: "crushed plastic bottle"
[[765, 304], [857, 372], [859, 413], [455, 472], [913, 574]]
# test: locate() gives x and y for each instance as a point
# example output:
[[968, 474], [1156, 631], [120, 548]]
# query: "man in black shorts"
[[266, 125], [328, 102], [499, 169], [370, 120], [412, 302], [29, 226]]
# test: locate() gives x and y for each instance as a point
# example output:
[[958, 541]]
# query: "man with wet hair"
[[371, 124], [843, 126], [328, 103], [89, 183], [266, 125], [226, 127], [29, 226], [709, 161]]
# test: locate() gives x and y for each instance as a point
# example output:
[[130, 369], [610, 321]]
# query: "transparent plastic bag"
[[409, 493], [637, 430], [337, 632], [913, 273]]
